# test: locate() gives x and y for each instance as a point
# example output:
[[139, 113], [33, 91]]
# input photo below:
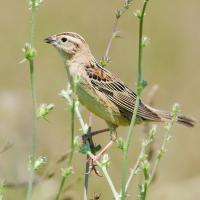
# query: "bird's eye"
[[64, 39]]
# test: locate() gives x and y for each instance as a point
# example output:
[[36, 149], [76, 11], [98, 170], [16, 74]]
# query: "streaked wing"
[[117, 92]]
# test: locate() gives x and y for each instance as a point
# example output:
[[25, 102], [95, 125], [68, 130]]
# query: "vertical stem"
[[137, 102], [140, 44], [125, 153], [115, 194], [86, 179], [108, 178], [111, 38], [87, 165], [69, 159], [33, 92], [118, 15]]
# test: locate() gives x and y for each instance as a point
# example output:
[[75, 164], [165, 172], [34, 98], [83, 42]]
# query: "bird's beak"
[[49, 40]]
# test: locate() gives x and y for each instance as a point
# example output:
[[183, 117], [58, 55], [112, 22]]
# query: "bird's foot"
[[93, 166]]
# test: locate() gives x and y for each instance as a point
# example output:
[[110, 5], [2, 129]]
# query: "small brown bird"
[[100, 90], [103, 93]]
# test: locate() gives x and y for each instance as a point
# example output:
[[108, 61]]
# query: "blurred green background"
[[171, 61]]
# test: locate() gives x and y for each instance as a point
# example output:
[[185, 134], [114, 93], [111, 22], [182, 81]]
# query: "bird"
[[99, 90]]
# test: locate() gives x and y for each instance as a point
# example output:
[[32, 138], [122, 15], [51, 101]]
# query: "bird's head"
[[69, 44]]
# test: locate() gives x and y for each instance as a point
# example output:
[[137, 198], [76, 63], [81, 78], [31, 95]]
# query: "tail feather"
[[186, 121]]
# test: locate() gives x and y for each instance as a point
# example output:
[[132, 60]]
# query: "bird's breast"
[[98, 104]]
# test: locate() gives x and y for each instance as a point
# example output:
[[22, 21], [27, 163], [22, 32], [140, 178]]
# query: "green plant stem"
[[70, 157], [137, 102], [87, 164], [125, 153], [160, 152], [149, 177], [107, 176], [85, 129], [32, 34], [114, 29], [86, 178], [111, 38], [140, 45], [33, 92], [135, 168], [112, 187], [34, 132]]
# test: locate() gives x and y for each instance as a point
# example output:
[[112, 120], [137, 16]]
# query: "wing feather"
[[118, 93]]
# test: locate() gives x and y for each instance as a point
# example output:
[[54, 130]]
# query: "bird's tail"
[[165, 116]]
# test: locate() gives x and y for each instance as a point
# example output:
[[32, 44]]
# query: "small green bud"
[[40, 162], [34, 3], [67, 172], [175, 112], [145, 164], [161, 152], [169, 138], [66, 94], [116, 35], [104, 62], [138, 14], [44, 110], [63, 93], [105, 161], [152, 133], [118, 13], [29, 52], [143, 157], [145, 167], [77, 142], [127, 4], [145, 41], [121, 144], [175, 108]]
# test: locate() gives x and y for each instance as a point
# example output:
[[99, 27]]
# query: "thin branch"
[[148, 176], [140, 87], [146, 142], [166, 139], [151, 148], [30, 58], [107, 176], [68, 169], [118, 15], [87, 167], [135, 168]]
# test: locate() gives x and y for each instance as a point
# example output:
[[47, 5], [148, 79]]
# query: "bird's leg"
[[95, 158], [90, 134], [87, 139]]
